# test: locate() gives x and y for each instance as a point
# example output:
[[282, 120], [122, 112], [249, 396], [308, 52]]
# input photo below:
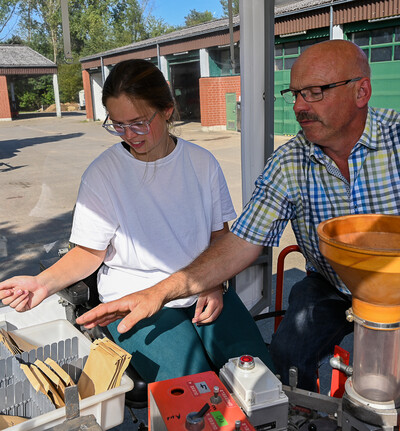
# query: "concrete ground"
[[42, 158]]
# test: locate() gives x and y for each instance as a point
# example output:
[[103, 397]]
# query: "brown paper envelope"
[[122, 363], [104, 368], [97, 373], [23, 345], [50, 389], [32, 378], [9, 421], [8, 342], [44, 383], [65, 377], [117, 349], [53, 377]]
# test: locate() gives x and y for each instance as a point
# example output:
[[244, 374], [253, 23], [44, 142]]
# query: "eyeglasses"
[[314, 93], [138, 127]]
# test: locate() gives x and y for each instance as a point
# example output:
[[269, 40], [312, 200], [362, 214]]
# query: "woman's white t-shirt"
[[152, 217]]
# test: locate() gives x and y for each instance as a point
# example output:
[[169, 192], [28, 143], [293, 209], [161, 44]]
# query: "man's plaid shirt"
[[302, 184]]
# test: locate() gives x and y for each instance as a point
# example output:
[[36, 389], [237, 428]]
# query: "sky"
[[174, 11]]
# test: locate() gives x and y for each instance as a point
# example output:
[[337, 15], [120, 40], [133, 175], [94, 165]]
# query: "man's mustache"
[[301, 116]]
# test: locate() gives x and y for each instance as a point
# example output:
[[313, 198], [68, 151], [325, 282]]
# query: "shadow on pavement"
[[25, 250], [33, 115], [9, 148]]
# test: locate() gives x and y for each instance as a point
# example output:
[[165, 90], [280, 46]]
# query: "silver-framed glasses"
[[138, 127]]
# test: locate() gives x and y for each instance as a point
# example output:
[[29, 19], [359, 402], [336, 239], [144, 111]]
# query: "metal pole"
[[231, 45], [66, 34], [269, 58]]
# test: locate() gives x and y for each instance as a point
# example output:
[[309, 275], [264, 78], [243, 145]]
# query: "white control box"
[[257, 391]]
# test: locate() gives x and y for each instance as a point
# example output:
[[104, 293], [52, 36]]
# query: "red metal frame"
[[339, 377], [279, 280]]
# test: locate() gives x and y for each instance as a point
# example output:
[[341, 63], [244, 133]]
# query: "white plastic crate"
[[107, 407]]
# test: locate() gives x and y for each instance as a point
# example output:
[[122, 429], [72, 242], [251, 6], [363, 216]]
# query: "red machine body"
[[171, 401]]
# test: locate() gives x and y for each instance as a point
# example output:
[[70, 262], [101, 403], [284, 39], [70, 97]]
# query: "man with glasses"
[[344, 160]]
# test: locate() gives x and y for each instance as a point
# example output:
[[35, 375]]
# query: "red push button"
[[246, 362]]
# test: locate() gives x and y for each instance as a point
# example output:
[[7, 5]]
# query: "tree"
[[195, 17], [70, 80], [90, 26], [34, 93], [235, 7], [157, 26], [8, 11], [14, 40], [95, 26], [41, 20]]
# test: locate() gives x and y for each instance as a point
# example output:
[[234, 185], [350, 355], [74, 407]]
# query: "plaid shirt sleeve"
[[266, 215]]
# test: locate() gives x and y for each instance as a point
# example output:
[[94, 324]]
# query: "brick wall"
[[88, 94], [212, 98], [5, 110]]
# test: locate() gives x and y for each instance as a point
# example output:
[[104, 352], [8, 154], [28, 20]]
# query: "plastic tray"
[[107, 407]]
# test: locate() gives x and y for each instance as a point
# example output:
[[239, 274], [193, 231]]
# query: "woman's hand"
[[208, 308], [22, 293]]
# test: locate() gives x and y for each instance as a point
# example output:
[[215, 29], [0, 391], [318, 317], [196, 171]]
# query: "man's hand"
[[208, 308], [22, 293], [221, 261], [130, 308]]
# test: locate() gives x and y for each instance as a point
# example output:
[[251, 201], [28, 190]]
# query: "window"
[[380, 44], [381, 54], [279, 64], [220, 61], [286, 53], [396, 53], [291, 48], [397, 34], [289, 62], [361, 38], [381, 36], [278, 49]]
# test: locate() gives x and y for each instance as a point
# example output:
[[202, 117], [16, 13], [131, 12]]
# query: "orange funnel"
[[364, 250]]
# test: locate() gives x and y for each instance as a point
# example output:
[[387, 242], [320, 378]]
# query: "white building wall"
[[164, 67], [99, 112], [204, 63], [337, 32]]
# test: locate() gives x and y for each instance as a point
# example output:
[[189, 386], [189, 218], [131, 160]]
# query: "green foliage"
[[157, 26], [70, 81], [40, 22], [235, 7], [14, 40], [195, 17], [33, 93], [90, 26], [95, 26], [7, 10]]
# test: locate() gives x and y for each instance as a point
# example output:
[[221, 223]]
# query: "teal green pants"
[[168, 345]]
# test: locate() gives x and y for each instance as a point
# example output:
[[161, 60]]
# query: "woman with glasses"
[[147, 207]]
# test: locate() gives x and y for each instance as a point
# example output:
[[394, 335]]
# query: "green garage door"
[[286, 52], [285, 121], [385, 85], [381, 44]]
